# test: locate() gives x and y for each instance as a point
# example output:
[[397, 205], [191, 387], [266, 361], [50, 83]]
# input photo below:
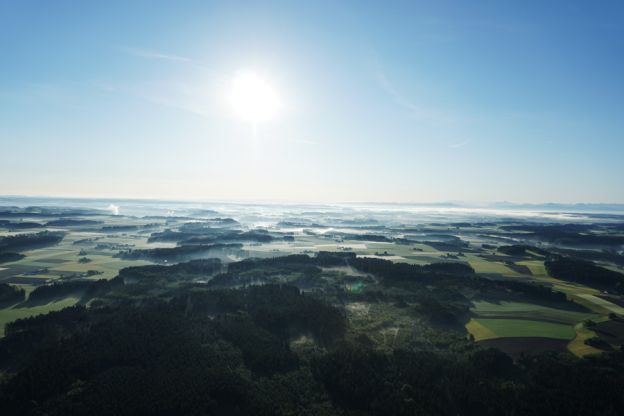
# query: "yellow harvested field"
[[479, 331], [602, 303], [577, 346]]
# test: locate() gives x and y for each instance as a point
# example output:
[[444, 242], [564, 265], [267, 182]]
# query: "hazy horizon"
[[250, 201]]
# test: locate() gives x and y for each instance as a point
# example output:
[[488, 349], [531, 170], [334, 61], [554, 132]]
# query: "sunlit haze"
[[320, 102], [253, 98]]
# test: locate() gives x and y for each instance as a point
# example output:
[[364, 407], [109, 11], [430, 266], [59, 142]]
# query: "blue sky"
[[381, 101]]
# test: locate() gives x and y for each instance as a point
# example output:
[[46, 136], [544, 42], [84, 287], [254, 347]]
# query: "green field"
[[520, 310], [602, 304], [486, 328], [481, 265], [536, 266], [12, 313]]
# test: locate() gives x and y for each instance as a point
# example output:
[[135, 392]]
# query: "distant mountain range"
[[16, 200]]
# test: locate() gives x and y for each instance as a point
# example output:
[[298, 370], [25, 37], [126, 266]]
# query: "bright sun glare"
[[252, 98]]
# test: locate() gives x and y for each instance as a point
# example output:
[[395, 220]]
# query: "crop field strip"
[[505, 309], [511, 328], [14, 312]]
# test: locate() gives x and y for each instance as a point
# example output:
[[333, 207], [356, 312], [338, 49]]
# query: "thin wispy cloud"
[[399, 98], [457, 145], [150, 54], [192, 93], [306, 141], [196, 98], [416, 109]]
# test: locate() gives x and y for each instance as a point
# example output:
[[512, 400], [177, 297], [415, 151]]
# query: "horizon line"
[[442, 203]]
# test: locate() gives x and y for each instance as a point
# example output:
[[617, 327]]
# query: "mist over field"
[[320, 301]]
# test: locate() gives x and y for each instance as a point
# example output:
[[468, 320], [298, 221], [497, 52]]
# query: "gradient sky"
[[382, 101]]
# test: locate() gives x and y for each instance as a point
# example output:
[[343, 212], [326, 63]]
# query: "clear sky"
[[378, 101]]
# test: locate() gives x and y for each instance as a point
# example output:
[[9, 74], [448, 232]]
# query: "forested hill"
[[162, 340]]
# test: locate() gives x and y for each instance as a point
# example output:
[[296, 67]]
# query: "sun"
[[252, 98]]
